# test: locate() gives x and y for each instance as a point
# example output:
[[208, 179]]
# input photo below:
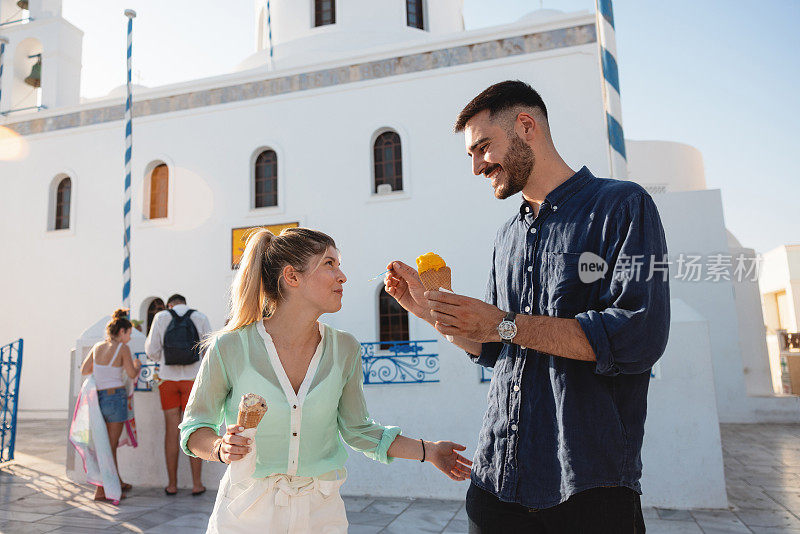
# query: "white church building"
[[341, 121]]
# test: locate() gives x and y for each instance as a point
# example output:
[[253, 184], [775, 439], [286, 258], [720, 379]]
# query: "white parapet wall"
[[145, 464]]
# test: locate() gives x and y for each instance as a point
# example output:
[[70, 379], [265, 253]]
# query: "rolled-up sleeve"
[[358, 430], [489, 351], [630, 334], [206, 405]]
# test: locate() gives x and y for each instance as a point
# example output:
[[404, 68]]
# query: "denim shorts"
[[113, 404]]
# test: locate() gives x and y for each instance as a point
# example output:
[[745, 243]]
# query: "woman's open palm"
[[443, 455]]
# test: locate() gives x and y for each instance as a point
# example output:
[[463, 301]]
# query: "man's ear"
[[525, 126], [290, 276]]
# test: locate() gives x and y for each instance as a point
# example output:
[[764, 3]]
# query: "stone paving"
[[762, 464]]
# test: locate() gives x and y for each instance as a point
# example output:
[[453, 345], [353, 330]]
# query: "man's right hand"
[[403, 283]]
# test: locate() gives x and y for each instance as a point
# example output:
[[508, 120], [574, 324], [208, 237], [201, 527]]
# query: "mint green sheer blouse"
[[300, 434]]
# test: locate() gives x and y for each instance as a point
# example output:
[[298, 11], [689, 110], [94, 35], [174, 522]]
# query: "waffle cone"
[[252, 408], [433, 280], [250, 418]]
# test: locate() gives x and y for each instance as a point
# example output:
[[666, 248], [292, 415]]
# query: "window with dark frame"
[[393, 320], [159, 192], [388, 161], [414, 17], [266, 179], [63, 199], [324, 12]]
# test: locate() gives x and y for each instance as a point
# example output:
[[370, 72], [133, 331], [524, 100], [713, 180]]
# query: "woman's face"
[[323, 280]]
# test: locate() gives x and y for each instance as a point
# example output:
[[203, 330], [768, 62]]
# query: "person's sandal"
[[170, 493], [198, 493]]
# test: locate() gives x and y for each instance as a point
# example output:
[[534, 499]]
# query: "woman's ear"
[[290, 276]]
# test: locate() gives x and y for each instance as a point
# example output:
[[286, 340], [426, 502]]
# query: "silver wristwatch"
[[507, 328]]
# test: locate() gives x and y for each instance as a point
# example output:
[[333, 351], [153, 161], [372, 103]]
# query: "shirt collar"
[[561, 193]]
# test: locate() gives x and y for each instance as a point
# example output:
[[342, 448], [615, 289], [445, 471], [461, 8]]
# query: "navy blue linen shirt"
[[557, 426]]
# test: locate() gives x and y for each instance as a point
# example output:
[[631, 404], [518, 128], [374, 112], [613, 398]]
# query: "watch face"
[[507, 329]]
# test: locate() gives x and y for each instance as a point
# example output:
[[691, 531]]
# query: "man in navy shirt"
[[576, 314]]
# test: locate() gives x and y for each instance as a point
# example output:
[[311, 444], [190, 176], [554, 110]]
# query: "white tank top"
[[108, 376]]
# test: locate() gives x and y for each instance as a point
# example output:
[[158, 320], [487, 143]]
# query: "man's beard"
[[517, 166]]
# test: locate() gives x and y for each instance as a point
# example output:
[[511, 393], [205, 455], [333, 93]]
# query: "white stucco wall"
[[694, 225], [323, 141]]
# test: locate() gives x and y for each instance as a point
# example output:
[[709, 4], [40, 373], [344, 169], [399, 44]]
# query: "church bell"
[[35, 77]]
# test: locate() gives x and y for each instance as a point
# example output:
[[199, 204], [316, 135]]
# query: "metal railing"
[[399, 362], [148, 374], [10, 372]]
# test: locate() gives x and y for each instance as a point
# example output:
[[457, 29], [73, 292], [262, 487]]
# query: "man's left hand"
[[466, 317]]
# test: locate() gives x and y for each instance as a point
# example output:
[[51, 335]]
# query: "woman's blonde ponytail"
[[248, 298]]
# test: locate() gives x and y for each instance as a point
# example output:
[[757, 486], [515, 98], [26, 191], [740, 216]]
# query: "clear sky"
[[721, 76]]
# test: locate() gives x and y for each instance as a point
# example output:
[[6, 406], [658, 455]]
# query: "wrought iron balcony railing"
[[400, 362], [384, 362], [10, 373], [147, 374]]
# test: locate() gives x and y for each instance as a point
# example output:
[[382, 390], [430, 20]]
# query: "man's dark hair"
[[176, 299], [500, 97]]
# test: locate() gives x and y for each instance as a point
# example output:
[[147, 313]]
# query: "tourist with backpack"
[[174, 343]]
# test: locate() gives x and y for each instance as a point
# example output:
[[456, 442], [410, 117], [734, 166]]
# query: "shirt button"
[[295, 406], [527, 308], [527, 210], [533, 230], [514, 428], [530, 268], [294, 434], [555, 208], [516, 388]]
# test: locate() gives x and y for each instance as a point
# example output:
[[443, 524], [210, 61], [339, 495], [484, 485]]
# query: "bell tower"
[[42, 60]]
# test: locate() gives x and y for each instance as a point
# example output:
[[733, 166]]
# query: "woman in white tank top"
[[109, 360]]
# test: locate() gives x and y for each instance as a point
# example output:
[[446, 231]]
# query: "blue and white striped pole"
[[3, 43], [606, 39], [269, 33], [126, 265]]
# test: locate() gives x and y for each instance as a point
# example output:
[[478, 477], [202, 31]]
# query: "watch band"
[[510, 316]]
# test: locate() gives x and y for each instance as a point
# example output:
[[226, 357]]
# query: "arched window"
[[266, 179], [414, 14], [324, 12], [63, 200], [155, 306], [388, 162], [393, 320], [159, 192]]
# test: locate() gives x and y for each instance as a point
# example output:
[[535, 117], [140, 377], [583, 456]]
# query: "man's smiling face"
[[498, 153]]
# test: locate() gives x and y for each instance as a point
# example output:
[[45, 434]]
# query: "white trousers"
[[278, 504]]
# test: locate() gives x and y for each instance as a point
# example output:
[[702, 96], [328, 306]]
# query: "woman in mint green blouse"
[[285, 475]]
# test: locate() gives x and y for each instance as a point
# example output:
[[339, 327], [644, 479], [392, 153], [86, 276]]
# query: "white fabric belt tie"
[[292, 492]]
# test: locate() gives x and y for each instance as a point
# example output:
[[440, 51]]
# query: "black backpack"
[[181, 340]]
